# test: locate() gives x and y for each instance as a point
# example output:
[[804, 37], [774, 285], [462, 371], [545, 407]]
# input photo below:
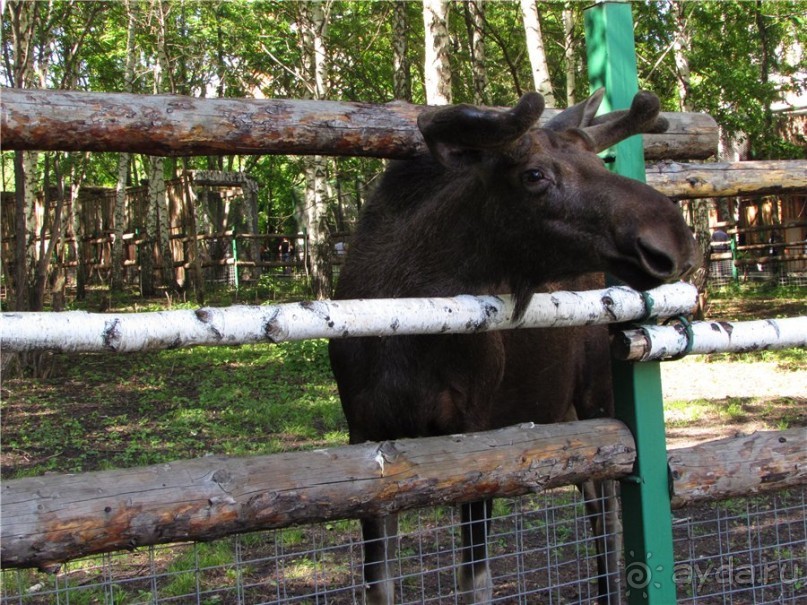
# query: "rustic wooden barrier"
[[694, 181], [52, 519], [48, 520], [171, 125], [703, 337], [81, 332]]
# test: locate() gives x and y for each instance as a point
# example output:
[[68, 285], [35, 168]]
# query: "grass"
[[102, 411]]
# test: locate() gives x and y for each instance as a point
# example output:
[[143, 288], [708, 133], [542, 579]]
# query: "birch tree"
[[569, 53], [157, 177], [401, 81], [313, 25], [437, 67], [475, 22], [536, 52]]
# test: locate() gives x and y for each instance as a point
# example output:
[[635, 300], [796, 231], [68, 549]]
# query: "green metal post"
[[647, 518], [235, 261], [735, 274]]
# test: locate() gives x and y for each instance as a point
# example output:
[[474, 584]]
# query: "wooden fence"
[[51, 519], [48, 520]]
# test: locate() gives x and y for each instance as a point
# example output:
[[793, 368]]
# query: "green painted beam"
[[646, 514]]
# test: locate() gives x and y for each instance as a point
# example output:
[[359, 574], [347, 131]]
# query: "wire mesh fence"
[[542, 550]]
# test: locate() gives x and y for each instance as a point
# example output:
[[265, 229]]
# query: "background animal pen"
[[218, 212]]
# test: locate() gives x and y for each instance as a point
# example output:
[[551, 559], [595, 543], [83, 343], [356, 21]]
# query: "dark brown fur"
[[476, 217]]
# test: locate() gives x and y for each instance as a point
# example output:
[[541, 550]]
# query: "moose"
[[497, 206]]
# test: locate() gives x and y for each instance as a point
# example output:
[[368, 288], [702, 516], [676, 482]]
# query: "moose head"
[[551, 205]]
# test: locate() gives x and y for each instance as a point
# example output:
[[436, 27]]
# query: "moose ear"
[[458, 135]]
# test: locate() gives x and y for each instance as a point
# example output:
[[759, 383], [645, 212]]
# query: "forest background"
[[741, 62]]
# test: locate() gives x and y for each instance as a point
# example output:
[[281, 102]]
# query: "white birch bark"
[[401, 82], [77, 331], [437, 68], [569, 54], [536, 52], [705, 337], [476, 8], [314, 27]]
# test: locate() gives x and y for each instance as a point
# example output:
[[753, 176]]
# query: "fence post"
[[648, 544], [235, 260]]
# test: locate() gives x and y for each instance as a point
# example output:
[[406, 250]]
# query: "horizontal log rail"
[[49, 520], [693, 181], [81, 332], [172, 125], [651, 342], [738, 467]]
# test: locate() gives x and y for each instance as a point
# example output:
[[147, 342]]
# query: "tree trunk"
[[20, 272], [401, 79], [157, 222], [437, 67], [116, 282], [29, 160], [535, 50], [475, 21], [315, 215], [569, 53], [314, 26], [681, 43], [196, 275], [52, 229]]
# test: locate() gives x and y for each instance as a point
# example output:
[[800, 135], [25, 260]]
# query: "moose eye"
[[533, 176]]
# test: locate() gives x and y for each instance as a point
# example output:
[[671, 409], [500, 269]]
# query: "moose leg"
[[475, 581], [602, 506], [379, 535]]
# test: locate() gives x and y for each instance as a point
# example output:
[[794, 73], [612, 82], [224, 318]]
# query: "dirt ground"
[[761, 396]]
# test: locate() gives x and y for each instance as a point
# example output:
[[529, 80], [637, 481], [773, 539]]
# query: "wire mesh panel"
[[749, 550], [541, 550]]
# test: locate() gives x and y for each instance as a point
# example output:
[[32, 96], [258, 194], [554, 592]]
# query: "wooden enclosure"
[[53, 519]]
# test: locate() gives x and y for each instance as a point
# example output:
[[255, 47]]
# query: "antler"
[[606, 130], [452, 132], [642, 117], [577, 116]]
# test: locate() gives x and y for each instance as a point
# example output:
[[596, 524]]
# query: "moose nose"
[[657, 259]]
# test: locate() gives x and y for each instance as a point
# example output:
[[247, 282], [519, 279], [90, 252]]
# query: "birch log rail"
[[49, 520], [172, 125], [81, 332], [651, 342]]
